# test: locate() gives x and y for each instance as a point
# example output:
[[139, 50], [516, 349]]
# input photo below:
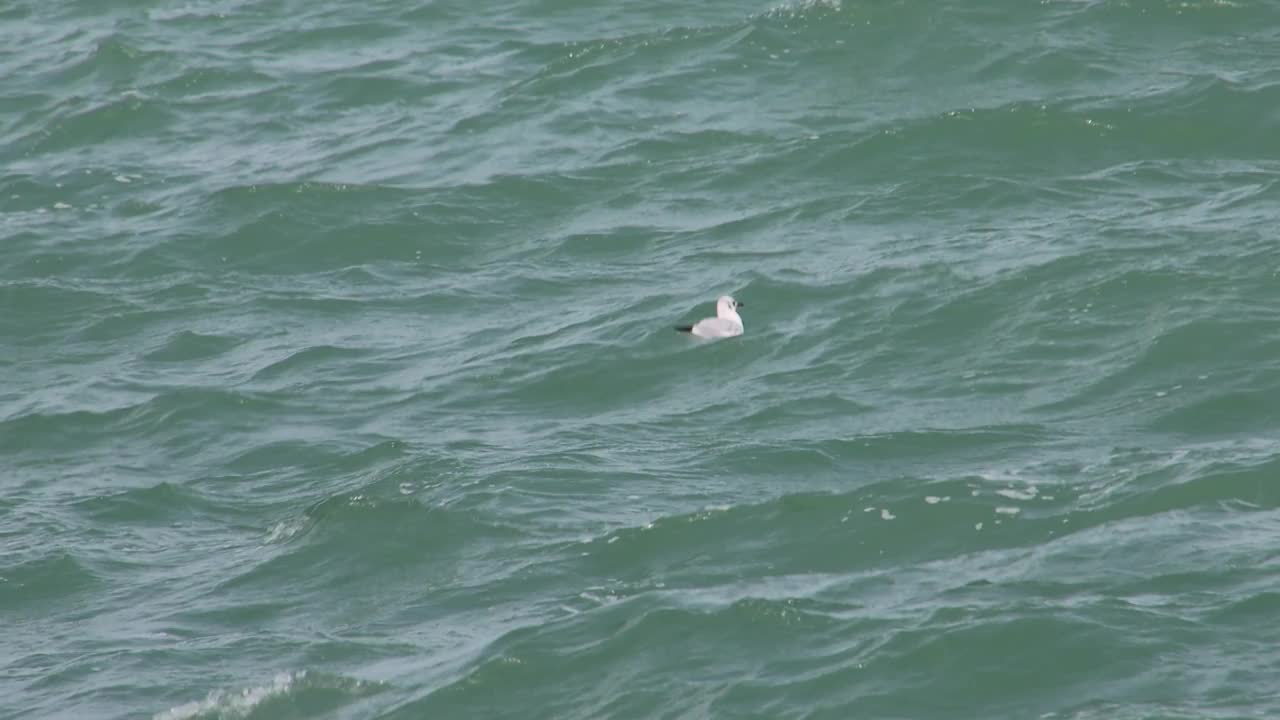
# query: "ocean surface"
[[338, 376]]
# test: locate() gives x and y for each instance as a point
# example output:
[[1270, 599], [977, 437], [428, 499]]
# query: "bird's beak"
[[740, 304]]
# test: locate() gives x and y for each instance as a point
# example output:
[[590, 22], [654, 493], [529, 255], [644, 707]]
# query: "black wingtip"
[[685, 328]]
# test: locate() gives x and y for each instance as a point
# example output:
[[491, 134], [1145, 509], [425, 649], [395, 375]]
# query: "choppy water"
[[339, 378]]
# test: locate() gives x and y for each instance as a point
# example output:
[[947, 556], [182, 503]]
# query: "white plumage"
[[726, 323]]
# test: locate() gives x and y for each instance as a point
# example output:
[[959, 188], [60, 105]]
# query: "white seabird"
[[726, 323]]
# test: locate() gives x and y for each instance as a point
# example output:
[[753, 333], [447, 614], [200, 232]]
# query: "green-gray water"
[[339, 378]]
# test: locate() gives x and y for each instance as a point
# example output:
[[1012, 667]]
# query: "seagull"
[[726, 323]]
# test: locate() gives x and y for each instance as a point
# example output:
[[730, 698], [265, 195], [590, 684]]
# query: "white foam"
[[886, 515], [190, 11], [1013, 494], [1008, 510], [284, 530], [233, 703], [799, 7]]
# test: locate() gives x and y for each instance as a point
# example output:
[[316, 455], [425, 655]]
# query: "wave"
[[129, 115], [188, 345], [300, 693], [331, 543], [66, 306], [737, 654], [50, 582], [174, 417], [161, 504]]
